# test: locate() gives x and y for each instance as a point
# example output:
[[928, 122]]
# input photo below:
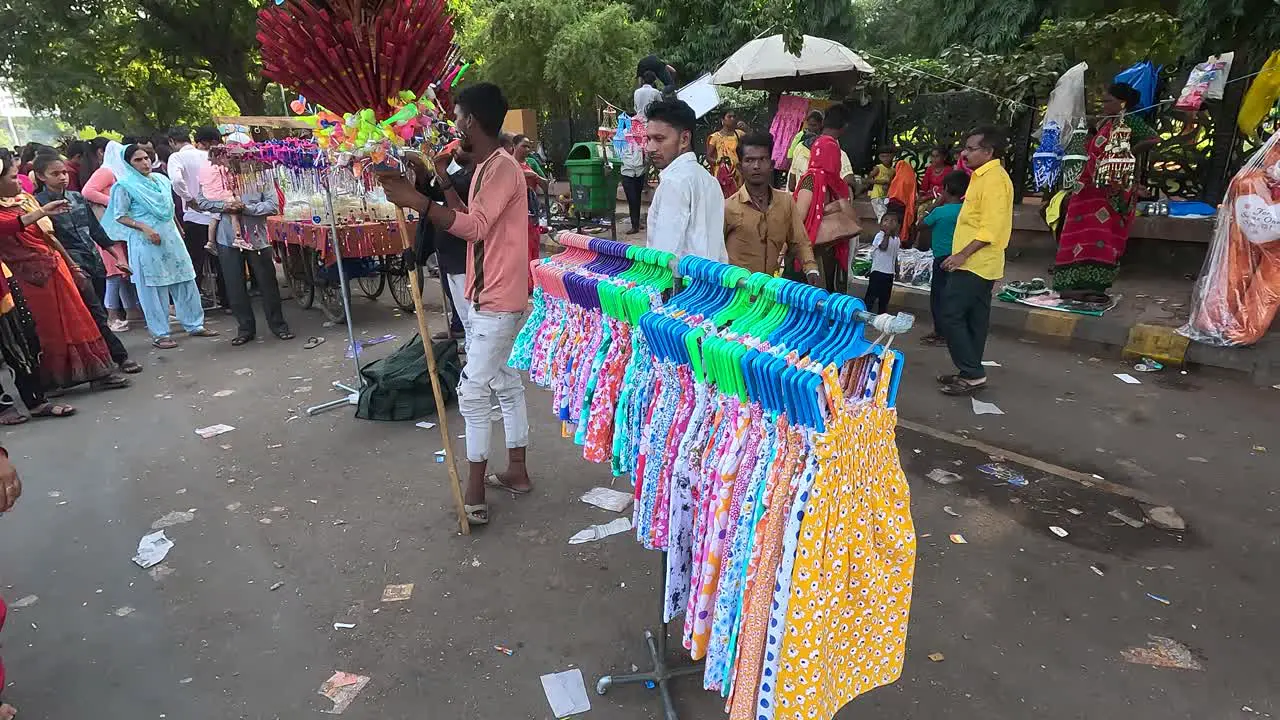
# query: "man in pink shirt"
[[493, 221]]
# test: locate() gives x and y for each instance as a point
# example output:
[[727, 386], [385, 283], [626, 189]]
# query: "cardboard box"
[[523, 122]]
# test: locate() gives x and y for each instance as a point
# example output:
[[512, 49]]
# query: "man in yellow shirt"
[[977, 261]]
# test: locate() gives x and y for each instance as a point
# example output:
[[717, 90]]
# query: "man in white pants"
[[494, 222]]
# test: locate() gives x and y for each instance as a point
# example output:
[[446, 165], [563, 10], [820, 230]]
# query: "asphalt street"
[[1021, 622]]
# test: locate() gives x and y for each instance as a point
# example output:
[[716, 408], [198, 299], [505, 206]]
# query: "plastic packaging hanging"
[[1074, 156], [1238, 292], [1066, 104], [1142, 77], [1046, 162]]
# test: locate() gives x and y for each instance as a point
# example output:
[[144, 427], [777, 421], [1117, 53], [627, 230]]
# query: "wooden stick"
[[442, 419]]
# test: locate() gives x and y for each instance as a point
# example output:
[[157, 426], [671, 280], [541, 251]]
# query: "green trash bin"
[[593, 188]]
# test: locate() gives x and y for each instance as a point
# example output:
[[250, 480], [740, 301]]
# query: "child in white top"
[[884, 258], [217, 184]]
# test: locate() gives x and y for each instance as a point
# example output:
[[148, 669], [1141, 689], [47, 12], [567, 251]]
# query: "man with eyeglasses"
[[977, 261]]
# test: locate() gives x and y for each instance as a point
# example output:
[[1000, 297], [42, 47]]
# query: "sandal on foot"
[[313, 342], [285, 335], [494, 481], [962, 387], [241, 340], [11, 416], [53, 410], [131, 367], [111, 382], [948, 379], [164, 343], [477, 514], [204, 332]]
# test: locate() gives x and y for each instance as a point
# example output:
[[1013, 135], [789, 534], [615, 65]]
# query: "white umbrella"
[[765, 64]]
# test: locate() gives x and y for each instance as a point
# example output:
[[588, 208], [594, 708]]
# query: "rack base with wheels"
[[662, 673]]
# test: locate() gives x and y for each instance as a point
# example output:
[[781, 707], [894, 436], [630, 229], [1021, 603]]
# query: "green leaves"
[[133, 64], [557, 55]]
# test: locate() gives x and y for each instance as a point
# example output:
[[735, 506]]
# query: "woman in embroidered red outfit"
[[73, 349], [820, 186], [1098, 219]]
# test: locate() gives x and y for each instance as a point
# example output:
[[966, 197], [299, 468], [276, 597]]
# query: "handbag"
[[838, 223]]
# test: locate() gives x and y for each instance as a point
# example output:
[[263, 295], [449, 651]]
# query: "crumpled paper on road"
[[152, 549]]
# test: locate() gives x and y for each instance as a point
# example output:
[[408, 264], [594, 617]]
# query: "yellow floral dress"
[[723, 158], [846, 626]]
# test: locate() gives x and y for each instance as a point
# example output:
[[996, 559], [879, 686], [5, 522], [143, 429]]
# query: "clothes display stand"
[[662, 673], [756, 419]]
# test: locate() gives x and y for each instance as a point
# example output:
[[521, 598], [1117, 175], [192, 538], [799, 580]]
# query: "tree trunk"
[[247, 93]]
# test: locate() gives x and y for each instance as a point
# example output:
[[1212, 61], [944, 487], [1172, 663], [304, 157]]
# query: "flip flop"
[[204, 332], [493, 481], [163, 343], [11, 416], [313, 342], [131, 367], [960, 387], [477, 514], [239, 340], [286, 335], [53, 410], [112, 382], [948, 379]]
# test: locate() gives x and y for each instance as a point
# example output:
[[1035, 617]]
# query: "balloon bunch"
[[414, 121]]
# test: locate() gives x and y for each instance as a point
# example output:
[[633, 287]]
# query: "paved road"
[[343, 507]]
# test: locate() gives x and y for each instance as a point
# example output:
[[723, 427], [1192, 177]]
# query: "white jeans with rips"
[[490, 336]]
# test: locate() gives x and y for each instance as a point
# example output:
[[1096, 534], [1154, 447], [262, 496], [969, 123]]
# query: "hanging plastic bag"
[[1261, 96], [1238, 292], [1142, 77], [1219, 82], [1197, 87], [1066, 101]]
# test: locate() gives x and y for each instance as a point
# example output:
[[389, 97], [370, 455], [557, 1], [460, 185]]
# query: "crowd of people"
[[97, 235], [735, 214]]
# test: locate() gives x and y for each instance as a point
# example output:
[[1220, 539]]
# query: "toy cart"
[[372, 260]]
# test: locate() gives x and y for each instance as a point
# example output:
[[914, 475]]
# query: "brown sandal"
[[11, 416], [164, 343], [56, 410], [204, 332], [110, 382]]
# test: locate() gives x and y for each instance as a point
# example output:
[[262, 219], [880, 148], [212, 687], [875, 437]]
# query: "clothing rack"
[[597, 255]]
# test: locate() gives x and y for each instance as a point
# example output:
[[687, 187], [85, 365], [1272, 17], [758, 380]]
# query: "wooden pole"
[[442, 420]]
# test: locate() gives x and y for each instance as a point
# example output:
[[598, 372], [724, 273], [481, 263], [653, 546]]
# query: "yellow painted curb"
[[1157, 342], [1048, 322]]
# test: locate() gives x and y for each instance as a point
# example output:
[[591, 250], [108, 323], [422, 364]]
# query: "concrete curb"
[[1260, 362]]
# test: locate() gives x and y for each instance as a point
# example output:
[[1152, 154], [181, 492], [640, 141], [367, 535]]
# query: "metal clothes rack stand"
[[662, 674], [351, 395]]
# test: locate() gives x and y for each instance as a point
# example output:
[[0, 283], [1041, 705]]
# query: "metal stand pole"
[[662, 674], [352, 394]]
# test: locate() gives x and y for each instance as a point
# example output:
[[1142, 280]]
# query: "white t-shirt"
[[884, 253], [686, 216], [644, 96]]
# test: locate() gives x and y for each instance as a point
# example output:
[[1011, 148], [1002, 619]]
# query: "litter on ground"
[[213, 430], [984, 408], [600, 532], [177, 517], [1128, 379], [1163, 652], [152, 549], [342, 688], [566, 693], [397, 593], [425, 425], [943, 477], [958, 539], [607, 498]]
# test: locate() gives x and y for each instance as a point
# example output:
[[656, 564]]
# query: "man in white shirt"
[[184, 171], [686, 216], [647, 94]]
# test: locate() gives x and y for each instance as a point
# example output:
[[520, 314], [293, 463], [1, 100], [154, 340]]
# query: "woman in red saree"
[[73, 349], [820, 186], [1099, 219]]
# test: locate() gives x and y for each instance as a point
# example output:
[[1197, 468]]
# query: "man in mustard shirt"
[[977, 260]]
